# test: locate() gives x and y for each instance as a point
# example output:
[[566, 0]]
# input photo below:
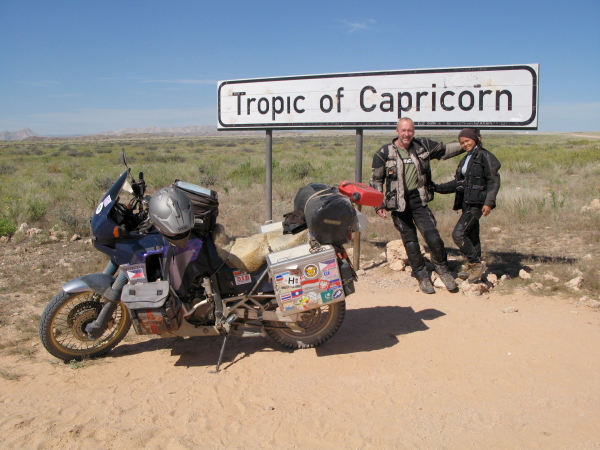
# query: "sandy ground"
[[405, 371]]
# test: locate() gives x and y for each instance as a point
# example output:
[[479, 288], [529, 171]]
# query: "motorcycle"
[[296, 296]]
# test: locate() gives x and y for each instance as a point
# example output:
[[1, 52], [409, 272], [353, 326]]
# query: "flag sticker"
[[107, 201], [327, 265], [136, 273], [279, 277], [327, 296]]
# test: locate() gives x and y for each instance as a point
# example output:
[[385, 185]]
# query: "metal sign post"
[[358, 178], [269, 168]]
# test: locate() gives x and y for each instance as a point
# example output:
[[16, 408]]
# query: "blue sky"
[[82, 67]]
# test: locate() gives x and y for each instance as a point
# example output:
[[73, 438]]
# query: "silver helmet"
[[172, 213]]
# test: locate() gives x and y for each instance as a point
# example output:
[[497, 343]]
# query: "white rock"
[[33, 231], [395, 250], [524, 274], [23, 227], [493, 278], [575, 271], [510, 309], [473, 290], [4, 239], [588, 256], [584, 209], [550, 277], [398, 265], [438, 283], [595, 205], [575, 283], [586, 301], [536, 286], [75, 237], [496, 230]]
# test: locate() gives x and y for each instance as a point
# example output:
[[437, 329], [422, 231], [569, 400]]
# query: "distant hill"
[[192, 130], [17, 135]]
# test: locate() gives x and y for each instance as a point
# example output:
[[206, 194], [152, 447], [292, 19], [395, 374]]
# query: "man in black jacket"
[[403, 168], [476, 184]]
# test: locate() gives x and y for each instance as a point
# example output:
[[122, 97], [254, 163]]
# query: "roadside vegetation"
[[546, 181]]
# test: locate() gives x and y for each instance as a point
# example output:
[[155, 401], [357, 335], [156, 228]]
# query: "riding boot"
[[447, 278]]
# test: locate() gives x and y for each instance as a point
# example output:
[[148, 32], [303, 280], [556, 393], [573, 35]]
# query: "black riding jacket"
[[480, 184], [388, 169]]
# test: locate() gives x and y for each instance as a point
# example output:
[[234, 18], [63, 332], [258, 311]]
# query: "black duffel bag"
[[330, 216]]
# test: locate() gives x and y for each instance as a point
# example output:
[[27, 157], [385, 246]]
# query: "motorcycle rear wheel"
[[318, 325], [62, 326]]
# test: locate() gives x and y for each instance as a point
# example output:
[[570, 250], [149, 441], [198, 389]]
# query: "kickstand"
[[222, 351]]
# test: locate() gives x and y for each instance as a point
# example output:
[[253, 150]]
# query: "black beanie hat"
[[469, 133]]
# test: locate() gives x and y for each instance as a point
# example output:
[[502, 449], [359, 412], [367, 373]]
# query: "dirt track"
[[405, 371]]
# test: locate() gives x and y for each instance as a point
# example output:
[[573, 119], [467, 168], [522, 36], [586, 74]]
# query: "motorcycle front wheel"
[[314, 327], [62, 326]]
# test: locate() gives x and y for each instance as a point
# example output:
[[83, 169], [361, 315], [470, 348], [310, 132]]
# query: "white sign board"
[[490, 97]]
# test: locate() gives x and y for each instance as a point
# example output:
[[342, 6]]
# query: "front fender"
[[95, 282]]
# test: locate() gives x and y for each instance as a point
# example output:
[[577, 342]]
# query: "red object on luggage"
[[361, 193]]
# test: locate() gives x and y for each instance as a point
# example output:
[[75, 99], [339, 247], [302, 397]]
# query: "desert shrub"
[[247, 173], [164, 159], [104, 183], [7, 228], [209, 179], [36, 208], [300, 170], [74, 220], [152, 147], [101, 150], [7, 169], [75, 154]]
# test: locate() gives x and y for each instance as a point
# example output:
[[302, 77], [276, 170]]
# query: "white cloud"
[[356, 26], [64, 96], [41, 83]]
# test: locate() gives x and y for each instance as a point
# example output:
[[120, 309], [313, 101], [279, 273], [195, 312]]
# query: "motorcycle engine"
[[204, 307]]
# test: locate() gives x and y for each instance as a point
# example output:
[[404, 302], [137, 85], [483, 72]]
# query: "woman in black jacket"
[[476, 185]]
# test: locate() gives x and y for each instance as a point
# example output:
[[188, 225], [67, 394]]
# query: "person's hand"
[[486, 210], [382, 213]]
